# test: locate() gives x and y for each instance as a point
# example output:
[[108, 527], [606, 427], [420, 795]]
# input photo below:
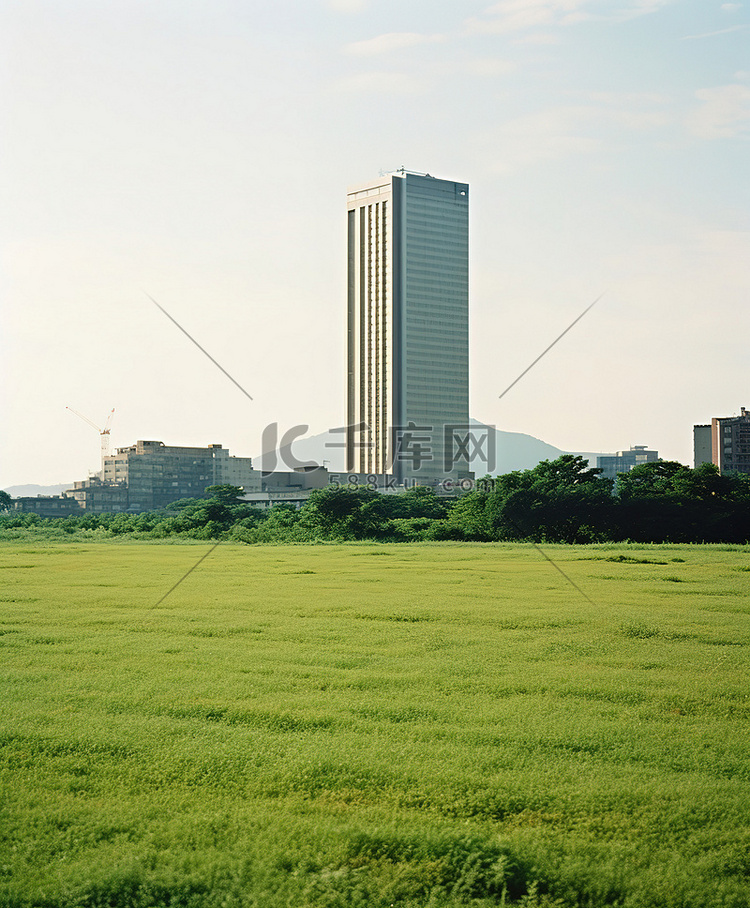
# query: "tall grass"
[[439, 724]]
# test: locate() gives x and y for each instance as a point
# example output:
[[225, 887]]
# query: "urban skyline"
[[201, 152]]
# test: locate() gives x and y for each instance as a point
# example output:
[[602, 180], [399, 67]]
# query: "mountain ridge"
[[513, 451]]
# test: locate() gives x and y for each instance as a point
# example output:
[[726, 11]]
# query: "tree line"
[[563, 500]]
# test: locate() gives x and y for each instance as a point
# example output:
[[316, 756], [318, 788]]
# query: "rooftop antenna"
[[385, 173], [104, 433]]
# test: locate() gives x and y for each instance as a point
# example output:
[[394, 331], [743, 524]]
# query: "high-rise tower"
[[408, 325]]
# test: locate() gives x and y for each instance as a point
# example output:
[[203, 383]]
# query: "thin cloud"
[[389, 42], [640, 8], [723, 114], [425, 78], [720, 31], [519, 15]]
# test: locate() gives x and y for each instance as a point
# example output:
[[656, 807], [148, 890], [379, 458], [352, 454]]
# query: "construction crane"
[[104, 433]]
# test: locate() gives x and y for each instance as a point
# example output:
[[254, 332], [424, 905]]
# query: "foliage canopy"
[[563, 500]]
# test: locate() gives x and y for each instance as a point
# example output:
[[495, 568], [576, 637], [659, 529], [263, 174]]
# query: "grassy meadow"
[[372, 725]]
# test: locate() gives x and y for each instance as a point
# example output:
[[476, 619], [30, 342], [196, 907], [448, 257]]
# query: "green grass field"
[[415, 725]]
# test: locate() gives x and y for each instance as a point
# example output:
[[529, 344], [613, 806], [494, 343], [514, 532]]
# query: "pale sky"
[[200, 152]]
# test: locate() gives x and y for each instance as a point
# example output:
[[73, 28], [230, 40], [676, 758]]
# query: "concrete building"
[[294, 488], [408, 326], [624, 461], [151, 475], [46, 505], [233, 471], [287, 487], [156, 474], [730, 442], [94, 496]]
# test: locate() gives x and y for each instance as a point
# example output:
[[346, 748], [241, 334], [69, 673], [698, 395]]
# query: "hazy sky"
[[200, 152]]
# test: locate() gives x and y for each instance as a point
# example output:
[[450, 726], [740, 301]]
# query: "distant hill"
[[34, 490], [513, 451], [516, 451]]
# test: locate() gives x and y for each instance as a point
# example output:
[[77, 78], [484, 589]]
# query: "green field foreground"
[[373, 725]]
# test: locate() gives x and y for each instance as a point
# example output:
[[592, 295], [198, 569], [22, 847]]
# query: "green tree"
[[666, 501], [283, 523], [367, 514], [467, 517], [420, 501], [562, 500], [209, 517], [226, 494], [338, 513]]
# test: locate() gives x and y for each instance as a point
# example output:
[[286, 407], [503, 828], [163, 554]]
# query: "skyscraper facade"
[[408, 326]]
